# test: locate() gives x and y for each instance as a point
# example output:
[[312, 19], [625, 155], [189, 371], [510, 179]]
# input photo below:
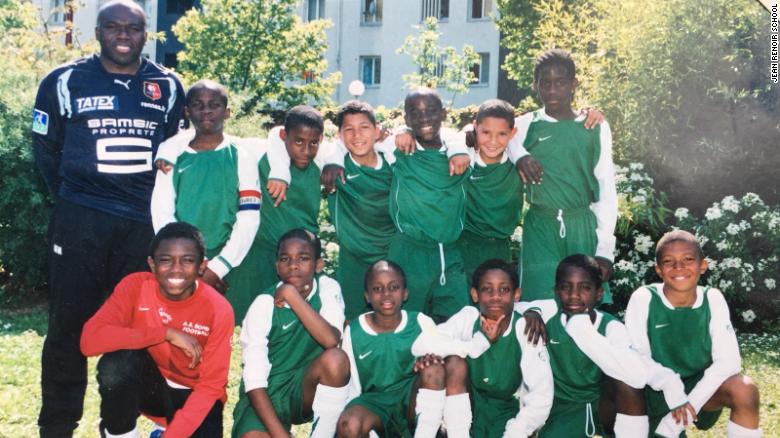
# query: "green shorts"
[[490, 414], [245, 280], [570, 419], [286, 394], [657, 407], [390, 407], [475, 250]]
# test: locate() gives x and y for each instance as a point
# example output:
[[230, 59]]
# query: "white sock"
[[457, 415], [627, 426], [132, 434], [668, 428], [734, 430], [326, 407], [429, 409]]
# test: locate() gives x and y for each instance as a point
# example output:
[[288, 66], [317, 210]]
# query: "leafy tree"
[[438, 66], [259, 48]]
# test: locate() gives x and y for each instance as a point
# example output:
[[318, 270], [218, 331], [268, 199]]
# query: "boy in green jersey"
[[293, 369], [494, 191], [573, 209], [684, 334], [499, 361], [385, 390], [214, 186], [598, 377]]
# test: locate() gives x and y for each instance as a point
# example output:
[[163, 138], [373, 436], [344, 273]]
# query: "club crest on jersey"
[[152, 90], [40, 122], [95, 103]]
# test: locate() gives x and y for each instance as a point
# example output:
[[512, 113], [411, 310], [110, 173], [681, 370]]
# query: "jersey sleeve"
[[110, 329], [48, 131], [516, 150], [247, 217], [278, 158], [355, 388], [659, 377], [546, 308], [170, 149], [456, 143], [726, 360], [606, 208], [538, 381], [330, 153], [332, 309], [611, 353], [163, 203], [212, 377], [452, 337], [254, 343]]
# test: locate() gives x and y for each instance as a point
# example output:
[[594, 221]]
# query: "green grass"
[[21, 339]]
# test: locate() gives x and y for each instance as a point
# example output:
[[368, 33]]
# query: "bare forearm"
[[322, 332]]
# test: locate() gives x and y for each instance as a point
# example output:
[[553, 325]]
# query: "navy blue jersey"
[[95, 133]]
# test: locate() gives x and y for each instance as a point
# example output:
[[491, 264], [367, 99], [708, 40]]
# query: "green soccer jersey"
[[426, 203], [359, 208], [382, 362], [494, 199], [299, 209], [490, 374]]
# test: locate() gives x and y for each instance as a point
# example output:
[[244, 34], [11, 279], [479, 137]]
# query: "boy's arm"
[[170, 149], [163, 203], [659, 377], [48, 133], [212, 377], [726, 360], [325, 327], [606, 208], [516, 150], [330, 152], [278, 159], [452, 337], [546, 308], [538, 379], [110, 329], [612, 353], [247, 218], [355, 388]]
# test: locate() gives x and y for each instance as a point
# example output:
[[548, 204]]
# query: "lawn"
[[21, 338]]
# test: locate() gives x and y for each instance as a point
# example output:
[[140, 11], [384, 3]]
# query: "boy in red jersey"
[[165, 340]]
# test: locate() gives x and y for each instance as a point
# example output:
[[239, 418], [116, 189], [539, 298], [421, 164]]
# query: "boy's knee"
[[335, 364], [349, 425], [744, 392], [433, 377], [629, 400], [116, 368]]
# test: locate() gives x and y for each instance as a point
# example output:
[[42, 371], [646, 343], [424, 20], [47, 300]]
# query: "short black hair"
[[178, 230], [581, 261], [206, 84], [354, 107], [302, 234], [489, 265], [392, 265], [677, 236], [113, 3], [557, 57], [422, 92], [303, 115], [497, 108]]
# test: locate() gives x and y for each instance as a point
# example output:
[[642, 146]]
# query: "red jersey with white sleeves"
[[137, 316]]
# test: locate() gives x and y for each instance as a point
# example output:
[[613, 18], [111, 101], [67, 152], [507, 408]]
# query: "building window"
[[57, 12], [371, 70], [481, 70], [435, 8], [315, 10], [480, 9], [178, 6], [371, 11]]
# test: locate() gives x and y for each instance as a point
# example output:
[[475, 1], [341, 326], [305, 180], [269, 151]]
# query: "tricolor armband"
[[248, 200]]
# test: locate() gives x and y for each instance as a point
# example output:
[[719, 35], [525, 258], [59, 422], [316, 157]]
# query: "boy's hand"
[[383, 134], [534, 327], [188, 344], [530, 170], [593, 117], [329, 175], [213, 280], [163, 166], [459, 164], [424, 362], [404, 142], [278, 190], [491, 328], [283, 294], [680, 414], [606, 268]]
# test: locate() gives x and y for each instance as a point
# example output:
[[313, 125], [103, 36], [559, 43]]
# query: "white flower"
[[517, 236], [624, 265], [621, 281], [713, 213], [327, 228], [724, 284], [639, 199], [729, 203], [681, 213], [722, 245], [331, 249], [748, 316], [770, 283], [731, 262], [750, 199], [643, 243], [702, 239], [636, 166], [711, 264], [733, 229], [636, 177], [748, 268]]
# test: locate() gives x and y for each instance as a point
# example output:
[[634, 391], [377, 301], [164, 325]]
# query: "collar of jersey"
[[226, 141], [311, 294], [477, 160], [378, 161], [597, 322], [659, 290], [443, 147], [367, 328], [96, 59], [509, 327], [547, 118]]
